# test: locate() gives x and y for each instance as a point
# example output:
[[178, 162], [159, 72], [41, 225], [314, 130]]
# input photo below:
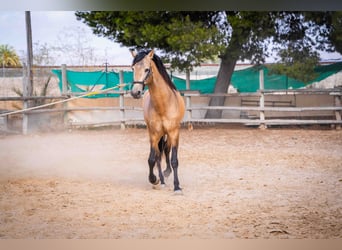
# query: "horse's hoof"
[[153, 180], [178, 192], [167, 173]]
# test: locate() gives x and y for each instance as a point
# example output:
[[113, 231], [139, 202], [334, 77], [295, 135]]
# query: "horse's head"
[[141, 72]]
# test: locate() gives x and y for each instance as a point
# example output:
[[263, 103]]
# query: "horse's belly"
[[159, 124]]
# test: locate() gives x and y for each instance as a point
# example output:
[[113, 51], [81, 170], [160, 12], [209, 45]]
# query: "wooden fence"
[[257, 103], [254, 103], [274, 106]]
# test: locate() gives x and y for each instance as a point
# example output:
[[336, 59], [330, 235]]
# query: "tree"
[[184, 38], [298, 33], [8, 56], [70, 44], [188, 38], [43, 54], [328, 28], [73, 45], [250, 34], [336, 31]]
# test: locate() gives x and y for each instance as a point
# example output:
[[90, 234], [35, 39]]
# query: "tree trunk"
[[222, 83]]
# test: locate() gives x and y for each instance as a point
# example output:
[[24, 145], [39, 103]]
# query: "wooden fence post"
[[189, 111], [187, 79], [64, 92], [338, 112], [262, 100], [122, 101], [188, 100], [188, 107], [25, 102]]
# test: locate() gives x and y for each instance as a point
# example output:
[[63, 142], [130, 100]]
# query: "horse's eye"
[[146, 70]]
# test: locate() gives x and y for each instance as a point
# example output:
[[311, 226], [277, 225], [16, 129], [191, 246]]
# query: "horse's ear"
[[150, 54], [133, 53]]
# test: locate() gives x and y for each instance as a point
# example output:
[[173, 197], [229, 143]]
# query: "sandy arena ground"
[[237, 183]]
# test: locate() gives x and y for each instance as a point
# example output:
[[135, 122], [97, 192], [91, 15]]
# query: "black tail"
[[162, 144]]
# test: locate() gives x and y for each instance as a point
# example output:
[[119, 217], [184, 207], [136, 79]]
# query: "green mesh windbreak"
[[204, 86], [327, 70], [79, 82], [247, 80], [244, 81]]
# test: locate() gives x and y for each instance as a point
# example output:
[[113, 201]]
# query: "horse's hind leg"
[[161, 176], [174, 139], [161, 146], [168, 169], [174, 163]]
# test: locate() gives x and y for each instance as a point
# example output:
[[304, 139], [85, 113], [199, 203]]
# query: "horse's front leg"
[[154, 155]]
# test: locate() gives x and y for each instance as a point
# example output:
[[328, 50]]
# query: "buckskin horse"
[[163, 109]]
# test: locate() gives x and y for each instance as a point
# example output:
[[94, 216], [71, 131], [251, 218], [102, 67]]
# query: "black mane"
[[160, 66]]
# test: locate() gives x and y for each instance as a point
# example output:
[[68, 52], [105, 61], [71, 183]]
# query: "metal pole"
[[29, 53], [27, 71]]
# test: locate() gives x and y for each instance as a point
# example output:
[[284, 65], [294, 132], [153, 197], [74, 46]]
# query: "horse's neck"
[[160, 92]]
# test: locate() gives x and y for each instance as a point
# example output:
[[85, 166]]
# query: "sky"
[[48, 26], [51, 26]]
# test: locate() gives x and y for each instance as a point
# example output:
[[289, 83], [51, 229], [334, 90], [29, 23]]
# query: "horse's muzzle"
[[137, 89], [136, 94]]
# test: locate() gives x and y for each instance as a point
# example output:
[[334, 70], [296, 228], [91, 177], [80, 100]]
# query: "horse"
[[163, 108]]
